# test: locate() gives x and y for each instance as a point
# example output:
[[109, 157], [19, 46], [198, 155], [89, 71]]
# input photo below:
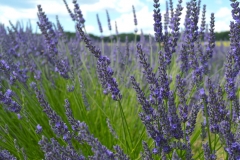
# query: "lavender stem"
[[124, 120]]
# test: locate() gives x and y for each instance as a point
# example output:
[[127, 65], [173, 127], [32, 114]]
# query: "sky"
[[120, 11]]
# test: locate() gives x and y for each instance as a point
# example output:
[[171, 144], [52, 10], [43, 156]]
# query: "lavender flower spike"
[[135, 18], [175, 123], [105, 72], [7, 100], [69, 10], [211, 38], [5, 154], [99, 24], [109, 21], [157, 21], [78, 14]]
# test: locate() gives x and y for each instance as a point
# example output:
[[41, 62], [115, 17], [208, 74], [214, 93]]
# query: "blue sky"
[[119, 10]]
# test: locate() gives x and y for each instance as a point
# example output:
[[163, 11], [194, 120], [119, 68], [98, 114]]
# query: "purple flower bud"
[[155, 151], [8, 93], [39, 129], [19, 116], [202, 92]]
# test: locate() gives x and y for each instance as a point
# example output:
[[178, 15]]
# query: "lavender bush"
[[172, 96]]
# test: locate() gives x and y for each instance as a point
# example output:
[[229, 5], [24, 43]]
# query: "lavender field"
[[173, 95]]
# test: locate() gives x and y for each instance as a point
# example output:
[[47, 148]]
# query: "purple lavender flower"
[[166, 18], [46, 29], [188, 56], [5, 154], [216, 108], [53, 150], [99, 24], [174, 120], [175, 156], [171, 8], [157, 21], [82, 134], [203, 22], [109, 21], [83, 91], [111, 129], [141, 97], [58, 126], [60, 30], [235, 11], [134, 15], [211, 38], [120, 154], [19, 116], [146, 155], [232, 147], [51, 40], [195, 10], [163, 88], [181, 92], [170, 42], [230, 78], [191, 122], [105, 73], [7, 100], [148, 71], [234, 49], [207, 153], [39, 129], [78, 14], [4, 66], [232, 69], [135, 19], [69, 10]]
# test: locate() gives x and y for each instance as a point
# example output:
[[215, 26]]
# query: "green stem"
[[111, 54], [184, 135], [208, 129], [215, 141], [231, 113], [125, 121], [84, 29], [102, 46]]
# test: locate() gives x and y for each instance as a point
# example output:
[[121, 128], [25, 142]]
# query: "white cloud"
[[117, 5], [51, 8], [223, 12], [125, 22], [223, 18], [221, 26], [90, 29], [8, 13], [54, 7], [122, 9]]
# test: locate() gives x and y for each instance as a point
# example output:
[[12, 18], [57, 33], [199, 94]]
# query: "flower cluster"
[[105, 72], [7, 100], [185, 105]]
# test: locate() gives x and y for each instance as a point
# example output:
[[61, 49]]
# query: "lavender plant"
[[54, 91]]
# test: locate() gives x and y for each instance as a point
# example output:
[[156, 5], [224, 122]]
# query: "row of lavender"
[[54, 87]]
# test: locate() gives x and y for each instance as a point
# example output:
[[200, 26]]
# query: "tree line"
[[131, 37]]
